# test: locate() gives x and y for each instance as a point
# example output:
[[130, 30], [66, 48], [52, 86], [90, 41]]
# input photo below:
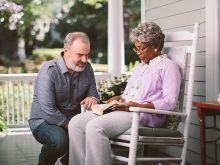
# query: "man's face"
[[78, 54]]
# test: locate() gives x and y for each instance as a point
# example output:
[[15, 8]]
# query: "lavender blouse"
[[158, 83]]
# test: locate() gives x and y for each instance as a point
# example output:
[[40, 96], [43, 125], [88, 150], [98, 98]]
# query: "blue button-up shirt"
[[57, 94]]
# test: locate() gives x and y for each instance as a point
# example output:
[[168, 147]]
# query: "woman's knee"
[[75, 122], [93, 128]]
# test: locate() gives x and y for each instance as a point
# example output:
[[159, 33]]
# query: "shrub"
[[112, 87], [2, 124], [41, 55]]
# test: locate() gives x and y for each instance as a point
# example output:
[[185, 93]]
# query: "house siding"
[[175, 15]]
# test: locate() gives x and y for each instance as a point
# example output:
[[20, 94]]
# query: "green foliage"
[[34, 22], [3, 126], [96, 3], [131, 19], [114, 87], [45, 23], [131, 66], [41, 55], [7, 61], [83, 16], [100, 67], [4, 15]]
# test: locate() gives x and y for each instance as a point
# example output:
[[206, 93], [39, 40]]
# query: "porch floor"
[[19, 148]]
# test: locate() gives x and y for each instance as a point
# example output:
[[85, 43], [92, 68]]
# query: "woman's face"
[[145, 52]]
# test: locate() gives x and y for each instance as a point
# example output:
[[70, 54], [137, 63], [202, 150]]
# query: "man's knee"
[[56, 142], [61, 143]]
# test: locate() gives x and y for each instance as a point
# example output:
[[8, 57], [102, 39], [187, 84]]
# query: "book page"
[[100, 108]]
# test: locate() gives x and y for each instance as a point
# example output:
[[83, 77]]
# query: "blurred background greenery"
[[32, 31]]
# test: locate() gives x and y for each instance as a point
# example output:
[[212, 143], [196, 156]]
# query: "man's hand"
[[66, 126], [88, 102]]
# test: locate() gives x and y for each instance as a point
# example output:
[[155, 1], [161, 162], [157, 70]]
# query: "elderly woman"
[[154, 83]]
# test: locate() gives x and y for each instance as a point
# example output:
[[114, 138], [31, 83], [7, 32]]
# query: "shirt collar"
[[156, 60], [61, 64]]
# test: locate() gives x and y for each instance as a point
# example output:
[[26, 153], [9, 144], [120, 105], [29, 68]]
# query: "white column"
[[212, 49], [116, 60]]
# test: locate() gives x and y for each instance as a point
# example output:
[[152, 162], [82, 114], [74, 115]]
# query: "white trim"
[[178, 36], [212, 49], [143, 10], [116, 59]]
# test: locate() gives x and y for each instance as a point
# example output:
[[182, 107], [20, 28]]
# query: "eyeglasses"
[[139, 50]]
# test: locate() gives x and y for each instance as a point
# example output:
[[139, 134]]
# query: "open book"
[[101, 109]]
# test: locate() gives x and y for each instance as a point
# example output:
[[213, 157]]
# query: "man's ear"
[[65, 49]]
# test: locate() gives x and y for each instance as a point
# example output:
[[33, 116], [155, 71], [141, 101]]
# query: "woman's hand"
[[123, 106], [126, 105], [117, 98]]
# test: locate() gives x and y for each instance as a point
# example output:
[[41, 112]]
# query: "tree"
[[44, 23], [87, 17], [131, 19], [9, 16], [31, 23]]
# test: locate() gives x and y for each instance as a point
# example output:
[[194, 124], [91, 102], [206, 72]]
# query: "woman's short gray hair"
[[70, 37], [149, 33]]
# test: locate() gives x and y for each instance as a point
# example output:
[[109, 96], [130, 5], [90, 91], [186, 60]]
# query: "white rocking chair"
[[137, 135]]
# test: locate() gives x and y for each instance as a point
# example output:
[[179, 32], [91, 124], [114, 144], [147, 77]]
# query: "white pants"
[[89, 136]]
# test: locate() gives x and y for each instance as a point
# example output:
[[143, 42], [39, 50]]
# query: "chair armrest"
[[83, 109], [156, 111]]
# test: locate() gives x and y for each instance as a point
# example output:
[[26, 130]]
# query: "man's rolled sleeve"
[[92, 91]]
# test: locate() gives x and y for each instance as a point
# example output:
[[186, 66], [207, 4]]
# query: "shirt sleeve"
[[46, 96], [170, 88], [92, 90]]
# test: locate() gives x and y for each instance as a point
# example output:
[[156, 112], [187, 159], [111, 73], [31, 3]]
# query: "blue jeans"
[[55, 142]]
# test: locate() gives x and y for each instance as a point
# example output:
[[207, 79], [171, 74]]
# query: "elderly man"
[[62, 85]]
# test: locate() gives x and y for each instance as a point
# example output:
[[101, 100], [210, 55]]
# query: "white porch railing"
[[16, 94]]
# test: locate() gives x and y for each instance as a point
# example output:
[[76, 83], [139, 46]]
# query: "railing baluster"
[[3, 98], [13, 104], [29, 100], [23, 103], [8, 108], [18, 103]]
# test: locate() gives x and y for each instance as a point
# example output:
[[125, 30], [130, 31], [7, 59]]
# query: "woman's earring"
[[155, 50]]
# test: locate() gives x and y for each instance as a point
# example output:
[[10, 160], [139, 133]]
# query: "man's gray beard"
[[77, 68]]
